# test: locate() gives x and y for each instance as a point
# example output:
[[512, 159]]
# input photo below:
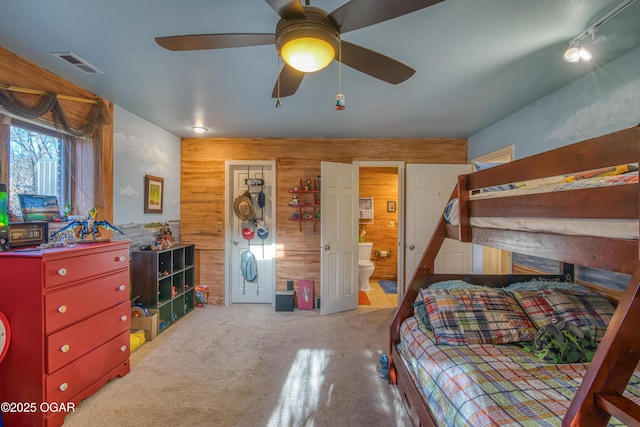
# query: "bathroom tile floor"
[[378, 298]]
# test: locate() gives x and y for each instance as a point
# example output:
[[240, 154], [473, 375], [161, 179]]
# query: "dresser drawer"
[[66, 383], [65, 346], [65, 307], [67, 270]]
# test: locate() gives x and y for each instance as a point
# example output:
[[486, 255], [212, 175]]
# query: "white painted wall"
[[603, 101], [142, 148]]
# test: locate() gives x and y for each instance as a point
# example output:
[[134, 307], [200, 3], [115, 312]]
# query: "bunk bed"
[[602, 387]]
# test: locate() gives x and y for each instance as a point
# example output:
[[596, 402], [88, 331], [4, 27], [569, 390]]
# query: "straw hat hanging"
[[243, 207]]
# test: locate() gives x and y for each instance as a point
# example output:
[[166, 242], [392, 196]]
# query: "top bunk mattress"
[[611, 228]]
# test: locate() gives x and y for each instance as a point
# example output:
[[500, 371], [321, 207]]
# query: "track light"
[[576, 53]]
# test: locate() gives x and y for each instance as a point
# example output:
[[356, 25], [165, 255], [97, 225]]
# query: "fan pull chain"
[[278, 102], [340, 105]]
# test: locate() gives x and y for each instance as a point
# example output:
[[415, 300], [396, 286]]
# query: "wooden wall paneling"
[[297, 265], [202, 201], [298, 253], [210, 272]]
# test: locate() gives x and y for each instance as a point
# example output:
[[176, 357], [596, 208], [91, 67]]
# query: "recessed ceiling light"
[[199, 129]]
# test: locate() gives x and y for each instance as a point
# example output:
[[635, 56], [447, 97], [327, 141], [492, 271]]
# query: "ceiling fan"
[[303, 29]]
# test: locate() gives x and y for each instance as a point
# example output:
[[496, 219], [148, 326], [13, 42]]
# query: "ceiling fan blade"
[[290, 80], [288, 9], [215, 41], [375, 64], [362, 13]]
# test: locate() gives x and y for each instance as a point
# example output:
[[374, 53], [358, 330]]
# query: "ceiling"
[[476, 63]]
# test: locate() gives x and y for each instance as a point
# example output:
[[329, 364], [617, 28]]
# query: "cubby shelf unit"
[[164, 280]]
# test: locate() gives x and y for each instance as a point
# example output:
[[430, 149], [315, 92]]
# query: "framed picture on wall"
[[153, 194], [391, 206]]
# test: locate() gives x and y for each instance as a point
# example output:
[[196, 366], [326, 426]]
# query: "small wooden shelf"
[[308, 206]]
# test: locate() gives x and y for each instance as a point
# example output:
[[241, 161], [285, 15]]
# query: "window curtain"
[[86, 142]]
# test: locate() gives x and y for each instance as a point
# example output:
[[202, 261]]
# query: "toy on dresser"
[[88, 225]]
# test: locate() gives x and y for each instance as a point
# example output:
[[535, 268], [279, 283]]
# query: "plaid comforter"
[[491, 385]]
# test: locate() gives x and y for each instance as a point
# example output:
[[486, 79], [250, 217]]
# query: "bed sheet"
[[620, 229], [491, 385]]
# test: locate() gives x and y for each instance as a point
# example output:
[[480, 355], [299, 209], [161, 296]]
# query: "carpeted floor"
[[389, 286], [248, 365]]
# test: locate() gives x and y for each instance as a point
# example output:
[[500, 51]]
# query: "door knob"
[[412, 247], [327, 247], [235, 242]]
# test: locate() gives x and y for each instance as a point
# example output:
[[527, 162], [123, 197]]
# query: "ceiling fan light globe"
[[307, 54], [571, 55]]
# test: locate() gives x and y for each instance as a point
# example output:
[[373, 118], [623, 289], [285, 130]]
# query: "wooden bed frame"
[[600, 393]]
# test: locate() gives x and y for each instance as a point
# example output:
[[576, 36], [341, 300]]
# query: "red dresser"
[[68, 311]]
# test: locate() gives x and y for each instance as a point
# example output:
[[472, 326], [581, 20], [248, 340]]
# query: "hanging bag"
[[249, 266]]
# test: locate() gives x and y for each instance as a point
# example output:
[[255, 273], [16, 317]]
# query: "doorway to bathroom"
[[381, 213]]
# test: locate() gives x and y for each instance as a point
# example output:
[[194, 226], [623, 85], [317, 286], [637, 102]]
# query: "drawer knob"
[[64, 348], [121, 258], [124, 317], [123, 348], [62, 309], [121, 288], [62, 272], [63, 387]]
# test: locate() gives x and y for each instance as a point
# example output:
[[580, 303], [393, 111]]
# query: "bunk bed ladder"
[[424, 268], [600, 394]]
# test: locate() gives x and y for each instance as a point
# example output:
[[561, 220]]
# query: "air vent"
[[76, 61]]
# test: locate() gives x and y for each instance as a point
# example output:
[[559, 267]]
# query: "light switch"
[[219, 227], [392, 224]]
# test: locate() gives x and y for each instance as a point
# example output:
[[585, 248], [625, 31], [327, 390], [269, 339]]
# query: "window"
[[39, 163]]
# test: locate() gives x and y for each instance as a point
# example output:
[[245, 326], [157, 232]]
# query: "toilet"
[[365, 265]]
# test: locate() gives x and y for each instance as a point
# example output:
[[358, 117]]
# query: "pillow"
[[608, 171], [452, 284], [540, 284], [486, 165], [476, 316], [420, 313], [590, 311]]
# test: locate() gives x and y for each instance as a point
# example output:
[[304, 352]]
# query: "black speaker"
[[4, 238]]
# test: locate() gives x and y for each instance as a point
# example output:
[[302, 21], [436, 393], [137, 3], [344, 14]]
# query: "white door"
[[339, 238], [256, 177], [428, 190]]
